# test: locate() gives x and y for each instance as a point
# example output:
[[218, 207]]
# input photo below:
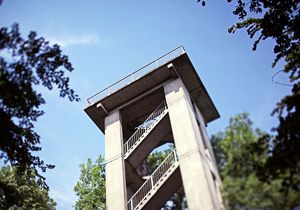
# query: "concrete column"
[[116, 197], [189, 147]]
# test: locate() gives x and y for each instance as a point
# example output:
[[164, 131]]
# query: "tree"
[[21, 191], [237, 162], [91, 185], [279, 21], [24, 65]]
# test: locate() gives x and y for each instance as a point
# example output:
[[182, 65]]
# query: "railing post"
[[151, 179], [131, 205], [108, 91], [175, 156], [183, 50]]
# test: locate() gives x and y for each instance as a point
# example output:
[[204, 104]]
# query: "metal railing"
[[156, 177], [137, 74], [144, 128]]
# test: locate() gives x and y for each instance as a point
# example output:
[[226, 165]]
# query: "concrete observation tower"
[[164, 101]]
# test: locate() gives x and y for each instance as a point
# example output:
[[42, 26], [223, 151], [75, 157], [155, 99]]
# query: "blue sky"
[[106, 40]]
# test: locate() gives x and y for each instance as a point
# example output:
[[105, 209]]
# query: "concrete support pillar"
[[116, 197], [189, 147]]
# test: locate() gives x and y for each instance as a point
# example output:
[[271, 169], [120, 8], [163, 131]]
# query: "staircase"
[[154, 182], [151, 190], [144, 129]]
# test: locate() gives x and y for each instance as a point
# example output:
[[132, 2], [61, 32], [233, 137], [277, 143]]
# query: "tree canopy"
[[25, 64], [279, 21], [91, 185], [237, 162], [21, 191]]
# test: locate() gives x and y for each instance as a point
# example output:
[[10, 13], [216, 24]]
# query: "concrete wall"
[[211, 161], [116, 197], [196, 176]]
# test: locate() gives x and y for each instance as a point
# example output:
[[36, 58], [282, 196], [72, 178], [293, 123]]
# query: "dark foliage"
[[203, 3], [25, 64], [21, 191], [280, 21]]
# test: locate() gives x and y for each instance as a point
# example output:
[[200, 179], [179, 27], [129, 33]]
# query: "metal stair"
[[154, 182], [144, 129]]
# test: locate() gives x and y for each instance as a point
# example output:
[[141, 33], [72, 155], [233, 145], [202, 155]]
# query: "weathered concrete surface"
[[116, 197], [189, 148]]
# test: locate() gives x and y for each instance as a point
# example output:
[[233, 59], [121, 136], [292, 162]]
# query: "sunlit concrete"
[[116, 197], [190, 150]]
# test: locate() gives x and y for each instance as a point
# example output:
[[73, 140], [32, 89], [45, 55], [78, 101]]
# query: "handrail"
[[136, 74], [143, 128], [155, 177]]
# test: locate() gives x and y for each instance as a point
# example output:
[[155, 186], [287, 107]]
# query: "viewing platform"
[[149, 80]]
